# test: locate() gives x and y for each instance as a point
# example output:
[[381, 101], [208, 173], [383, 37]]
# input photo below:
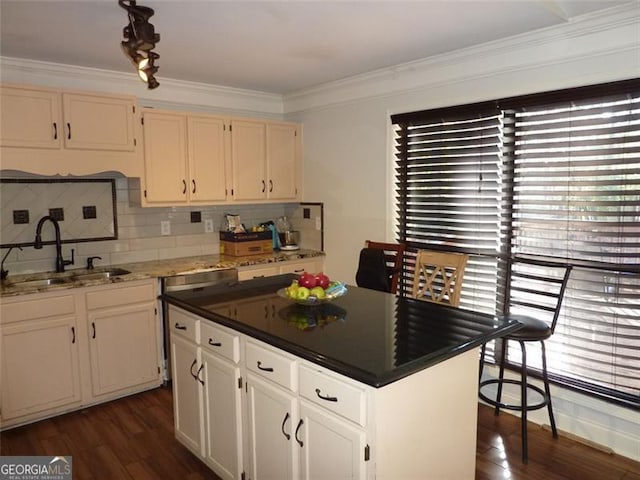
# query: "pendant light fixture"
[[139, 39]]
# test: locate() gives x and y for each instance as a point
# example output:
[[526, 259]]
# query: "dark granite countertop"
[[372, 337]]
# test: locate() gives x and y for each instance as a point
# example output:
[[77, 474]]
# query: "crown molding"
[[612, 37], [173, 92]]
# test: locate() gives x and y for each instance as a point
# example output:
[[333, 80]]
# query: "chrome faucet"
[[60, 262]]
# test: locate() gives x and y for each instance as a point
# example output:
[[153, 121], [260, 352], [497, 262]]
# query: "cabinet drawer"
[[275, 366], [220, 340], [106, 297], [184, 324], [259, 272], [29, 309], [299, 267], [333, 394]]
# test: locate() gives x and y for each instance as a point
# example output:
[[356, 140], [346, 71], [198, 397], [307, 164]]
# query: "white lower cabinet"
[[324, 436], [222, 395], [264, 414], [123, 339], [61, 351], [40, 370], [272, 419], [187, 394]]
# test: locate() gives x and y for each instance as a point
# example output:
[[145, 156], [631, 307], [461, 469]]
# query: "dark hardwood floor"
[[132, 438]]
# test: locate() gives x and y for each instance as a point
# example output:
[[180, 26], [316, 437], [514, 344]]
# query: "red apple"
[[322, 280], [307, 280]]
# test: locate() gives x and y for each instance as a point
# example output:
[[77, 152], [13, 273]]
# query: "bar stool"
[[534, 286]]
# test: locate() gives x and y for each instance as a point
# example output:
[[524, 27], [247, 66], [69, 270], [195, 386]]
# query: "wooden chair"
[[438, 276], [394, 255]]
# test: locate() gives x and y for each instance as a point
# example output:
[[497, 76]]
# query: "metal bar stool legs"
[[524, 406]]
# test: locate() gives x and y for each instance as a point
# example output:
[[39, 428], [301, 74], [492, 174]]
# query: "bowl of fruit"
[[313, 289]]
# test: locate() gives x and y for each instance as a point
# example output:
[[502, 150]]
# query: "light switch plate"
[[208, 226], [165, 227]]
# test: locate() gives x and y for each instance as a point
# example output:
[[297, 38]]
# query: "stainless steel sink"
[[101, 274], [43, 282]]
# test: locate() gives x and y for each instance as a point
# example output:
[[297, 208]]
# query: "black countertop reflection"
[[373, 337]]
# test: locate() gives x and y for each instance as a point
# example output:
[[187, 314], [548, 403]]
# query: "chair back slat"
[[537, 288], [438, 276]]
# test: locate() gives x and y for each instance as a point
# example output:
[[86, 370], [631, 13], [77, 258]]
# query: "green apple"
[[318, 292], [302, 293]]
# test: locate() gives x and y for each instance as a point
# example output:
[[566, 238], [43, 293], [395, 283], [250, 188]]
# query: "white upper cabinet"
[[30, 118], [283, 163], [33, 118], [185, 159], [96, 122], [165, 157], [207, 160], [48, 132], [266, 158]]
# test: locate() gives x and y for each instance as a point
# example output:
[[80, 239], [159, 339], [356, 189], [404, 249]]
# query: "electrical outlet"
[[208, 226], [318, 223], [165, 227]]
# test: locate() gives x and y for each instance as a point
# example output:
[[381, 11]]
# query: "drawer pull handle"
[[194, 186], [214, 344], [198, 374], [325, 397], [73, 332], [184, 186], [180, 327], [264, 369], [193, 365], [270, 186], [69, 131], [300, 423], [93, 325], [286, 417], [55, 131]]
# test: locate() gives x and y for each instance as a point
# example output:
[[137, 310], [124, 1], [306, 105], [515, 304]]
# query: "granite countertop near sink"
[[73, 278]]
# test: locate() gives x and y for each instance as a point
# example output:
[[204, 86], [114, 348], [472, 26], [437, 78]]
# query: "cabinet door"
[[271, 420], [123, 348], [165, 157], [29, 118], [323, 436], [223, 416], [40, 368], [248, 158], [95, 122], [206, 159], [282, 161], [187, 394]]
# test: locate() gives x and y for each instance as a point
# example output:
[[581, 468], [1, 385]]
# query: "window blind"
[[554, 175], [448, 192], [577, 197]]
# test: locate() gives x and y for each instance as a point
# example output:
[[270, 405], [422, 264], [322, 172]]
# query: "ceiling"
[[273, 46]]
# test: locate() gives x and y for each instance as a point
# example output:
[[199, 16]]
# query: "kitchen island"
[[368, 386]]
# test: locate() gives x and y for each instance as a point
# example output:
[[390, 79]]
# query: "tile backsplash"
[[139, 233], [85, 209]]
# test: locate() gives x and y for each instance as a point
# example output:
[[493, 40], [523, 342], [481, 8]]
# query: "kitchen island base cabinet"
[[426, 423], [187, 397], [343, 446], [222, 395], [272, 422]]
